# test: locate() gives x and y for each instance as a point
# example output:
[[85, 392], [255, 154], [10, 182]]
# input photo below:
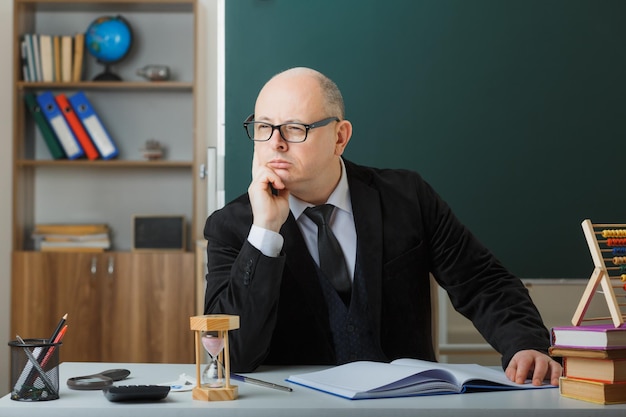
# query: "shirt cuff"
[[268, 242]]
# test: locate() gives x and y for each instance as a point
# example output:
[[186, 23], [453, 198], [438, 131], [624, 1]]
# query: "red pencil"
[[51, 349]]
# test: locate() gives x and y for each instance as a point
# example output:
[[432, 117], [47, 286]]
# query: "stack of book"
[[72, 237], [52, 58], [594, 362]]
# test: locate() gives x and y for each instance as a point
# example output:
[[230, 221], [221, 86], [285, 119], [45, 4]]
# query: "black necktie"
[[332, 262]]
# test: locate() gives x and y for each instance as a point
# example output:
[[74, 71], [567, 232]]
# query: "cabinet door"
[[47, 285], [149, 301]]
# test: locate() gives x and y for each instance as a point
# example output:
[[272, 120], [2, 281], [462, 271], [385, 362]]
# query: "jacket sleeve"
[[479, 286], [241, 281]]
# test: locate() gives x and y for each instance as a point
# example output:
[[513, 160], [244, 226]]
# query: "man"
[[265, 266]]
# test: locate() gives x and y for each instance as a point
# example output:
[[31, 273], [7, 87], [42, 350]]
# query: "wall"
[[6, 123], [513, 110], [209, 13]]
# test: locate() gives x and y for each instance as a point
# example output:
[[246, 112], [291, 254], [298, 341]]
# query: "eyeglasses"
[[290, 132]]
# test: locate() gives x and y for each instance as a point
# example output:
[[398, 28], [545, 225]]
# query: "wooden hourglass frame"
[[220, 323]]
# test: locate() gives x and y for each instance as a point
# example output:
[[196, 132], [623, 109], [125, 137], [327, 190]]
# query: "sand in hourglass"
[[214, 372]]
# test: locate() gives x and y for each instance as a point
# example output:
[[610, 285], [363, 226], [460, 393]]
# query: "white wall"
[[6, 145]]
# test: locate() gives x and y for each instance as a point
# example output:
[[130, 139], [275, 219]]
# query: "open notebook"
[[406, 377]]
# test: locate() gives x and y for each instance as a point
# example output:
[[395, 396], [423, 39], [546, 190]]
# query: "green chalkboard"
[[514, 110]]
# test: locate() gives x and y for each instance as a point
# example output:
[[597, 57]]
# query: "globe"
[[108, 39]]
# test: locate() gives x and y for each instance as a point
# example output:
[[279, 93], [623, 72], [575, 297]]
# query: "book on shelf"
[[77, 127], [59, 125], [601, 370], [46, 57], [86, 245], [30, 57], [49, 137], [24, 60], [36, 54], [56, 46], [592, 336], [593, 391], [587, 353], [93, 124], [79, 57], [406, 377], [70, 228], [66, 58]]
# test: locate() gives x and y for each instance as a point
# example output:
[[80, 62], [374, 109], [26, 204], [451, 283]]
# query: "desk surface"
[[259, 401]]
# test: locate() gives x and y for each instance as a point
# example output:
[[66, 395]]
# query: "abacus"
[[607, 244]]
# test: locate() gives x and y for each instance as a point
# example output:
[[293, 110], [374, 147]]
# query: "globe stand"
[[220, 323], [107, 75]]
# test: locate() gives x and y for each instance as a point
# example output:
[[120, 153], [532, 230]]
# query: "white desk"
[[259, 401]]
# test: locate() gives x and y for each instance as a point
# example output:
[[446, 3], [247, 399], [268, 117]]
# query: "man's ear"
[[344, 133]]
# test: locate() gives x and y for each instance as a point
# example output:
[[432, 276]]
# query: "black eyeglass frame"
[[307, 127]]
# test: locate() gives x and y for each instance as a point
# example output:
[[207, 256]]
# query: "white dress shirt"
[[342, 224]]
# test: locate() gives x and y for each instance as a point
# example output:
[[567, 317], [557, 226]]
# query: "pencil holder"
[[34, 370]]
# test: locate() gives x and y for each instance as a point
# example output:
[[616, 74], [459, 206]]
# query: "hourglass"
[[211, 334], [213, 374]]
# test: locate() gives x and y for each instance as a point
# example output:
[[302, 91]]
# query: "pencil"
[[259, 382], [58, 329]]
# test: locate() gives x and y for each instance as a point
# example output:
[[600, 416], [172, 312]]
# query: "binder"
[[59, 125], [92, 123], [24, 61], [46, 131], [30, 57], [77, 127], [36, 54]]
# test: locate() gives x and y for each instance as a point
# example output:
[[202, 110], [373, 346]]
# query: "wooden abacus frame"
[[600, 276]]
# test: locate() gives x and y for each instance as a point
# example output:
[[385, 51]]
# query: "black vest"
[[352, 337]]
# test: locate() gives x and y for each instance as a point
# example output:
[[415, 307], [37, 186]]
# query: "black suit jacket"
[[404, 230]]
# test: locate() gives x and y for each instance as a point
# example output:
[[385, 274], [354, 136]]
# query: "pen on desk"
[[255, 381]]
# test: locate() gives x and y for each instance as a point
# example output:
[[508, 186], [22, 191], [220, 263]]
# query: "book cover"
[[37, 56], [587, 353], [59, 125], [24, 60], [56, 46], [406, 377], [77, 127], [49, 137], [593, 391], [593, 336], [66, 58], [601, 370], [47, 58], [79, 48], [92, 123], [70, 228], [30, 57]]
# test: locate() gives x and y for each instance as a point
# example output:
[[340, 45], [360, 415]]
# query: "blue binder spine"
[[99, 135], [55, 118]]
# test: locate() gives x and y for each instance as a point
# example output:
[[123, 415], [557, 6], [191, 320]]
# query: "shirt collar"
[[340, 197]]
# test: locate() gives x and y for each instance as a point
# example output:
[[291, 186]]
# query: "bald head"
[[330, 96]]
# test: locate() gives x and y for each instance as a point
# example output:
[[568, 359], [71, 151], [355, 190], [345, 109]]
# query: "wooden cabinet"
[[122, 307]]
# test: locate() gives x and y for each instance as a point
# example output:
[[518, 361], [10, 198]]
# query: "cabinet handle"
[[111, 266], [94, 265]]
